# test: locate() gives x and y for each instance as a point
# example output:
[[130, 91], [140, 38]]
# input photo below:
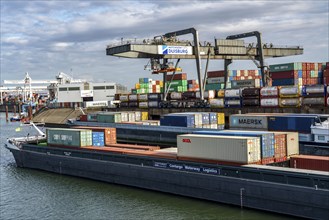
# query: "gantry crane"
[[167, 46]]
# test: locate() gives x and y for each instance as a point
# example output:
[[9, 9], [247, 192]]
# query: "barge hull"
[[298, 201]]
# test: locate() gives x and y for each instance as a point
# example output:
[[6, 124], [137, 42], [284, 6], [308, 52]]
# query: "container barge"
[[182, 171]]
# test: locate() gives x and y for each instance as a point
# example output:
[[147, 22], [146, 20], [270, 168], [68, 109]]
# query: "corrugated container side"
[[280, 146], [69, 137], [98, 139], [220, 118], [249, 121], [310, 162], [242, 150], [216, 103], [292, 142]]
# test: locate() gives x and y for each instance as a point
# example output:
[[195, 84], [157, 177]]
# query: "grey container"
[[69, 137], [241, 150], [258, 122]]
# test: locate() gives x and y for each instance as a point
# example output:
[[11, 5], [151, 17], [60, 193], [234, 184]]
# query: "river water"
[[33, 194]]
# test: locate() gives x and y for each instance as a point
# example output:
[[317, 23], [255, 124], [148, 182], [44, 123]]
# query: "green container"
[[177, 83], [286, 67], [109, 117], [69, 137], [133, 91], [213, 86]]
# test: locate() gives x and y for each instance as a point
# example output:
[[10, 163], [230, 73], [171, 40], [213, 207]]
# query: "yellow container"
[[221, 93], [220, 118], [145, 116], [161, 83], [137, 86]]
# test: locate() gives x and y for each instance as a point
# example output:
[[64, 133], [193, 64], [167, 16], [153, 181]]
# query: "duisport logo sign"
[[165, 49]]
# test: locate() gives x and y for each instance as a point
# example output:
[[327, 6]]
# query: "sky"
[[46, 37]]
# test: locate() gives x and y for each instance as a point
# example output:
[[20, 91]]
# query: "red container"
[[218, 73], [327, 65], [83, 118], [310, 162], [284, 75], [178, 76], [280, 145], [326, 73]]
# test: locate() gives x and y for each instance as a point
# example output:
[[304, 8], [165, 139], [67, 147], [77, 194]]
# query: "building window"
[[74, 88], [62, 89], [99, 87], [109, 87]]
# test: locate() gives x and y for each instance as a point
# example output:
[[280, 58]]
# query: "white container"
[[133, 97], [314, 101], [138, 116], [95, 104], [236, 149], [176, 95], [124, 116], [215, 80], [232, 93], [289, 91], [233, 102], [259, 122], [124, 98], [131, 117], [269, 91], [143, 97], [143, 105], [216, 103], [314, 89], [153, 104], [210, 94], [269, 102], [286, 102]]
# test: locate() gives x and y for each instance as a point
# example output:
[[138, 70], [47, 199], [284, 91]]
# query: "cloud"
[[45, 37]]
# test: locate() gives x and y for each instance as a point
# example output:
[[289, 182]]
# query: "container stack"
[[69, 137], [233, 98], [314, 95], [289, 96], [215, 80], [178, 83], [192, 85], [326, 74], [244, 78], [297, 74], [269, 96], [147, 85]]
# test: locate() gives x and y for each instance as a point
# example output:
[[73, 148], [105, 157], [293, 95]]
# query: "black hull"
[[293, 200]]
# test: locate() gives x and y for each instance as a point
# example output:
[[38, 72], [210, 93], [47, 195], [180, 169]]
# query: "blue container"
[[98, 138], [213, 117], [297, 123], [267, 140], [283, 82], [180, 120], [205, 118], [300, 74]]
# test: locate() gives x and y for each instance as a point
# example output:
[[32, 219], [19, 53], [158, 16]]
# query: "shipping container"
[[235, 84], [109, 117], [283, 82], [266, 139], [178, 120], [250, 92], [313, 90], [124, 98], [69, 137], [176, 96], [133, 97], [233, 103], [289, 91], [318, 101], [271, 91], [153, 104], [292, 142], [143, 104], [251, 102], [299, 123], [216, 103], [133, 104], [177, 76], [98, 139], [155, 96], [215, 80], [232, 93], [310, 162], [143, 97], [242, 150], [284, 74], [289, 102], [220, 118], [285, 67], [248, 121], [269, 102], [219, 73]]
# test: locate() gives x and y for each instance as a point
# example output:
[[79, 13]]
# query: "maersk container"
[[69, 137], [314, 101], [143, 97], [289, 102], [292, 123], [269, 102], [232, 93], [310, 90], [216, 103], [186, 120], [235, 84], [109, 117], [248, 121], [266, 139], [240, 150], [270, 91]]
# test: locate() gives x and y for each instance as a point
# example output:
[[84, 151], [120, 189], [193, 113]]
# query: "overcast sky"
[[46, 37]]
